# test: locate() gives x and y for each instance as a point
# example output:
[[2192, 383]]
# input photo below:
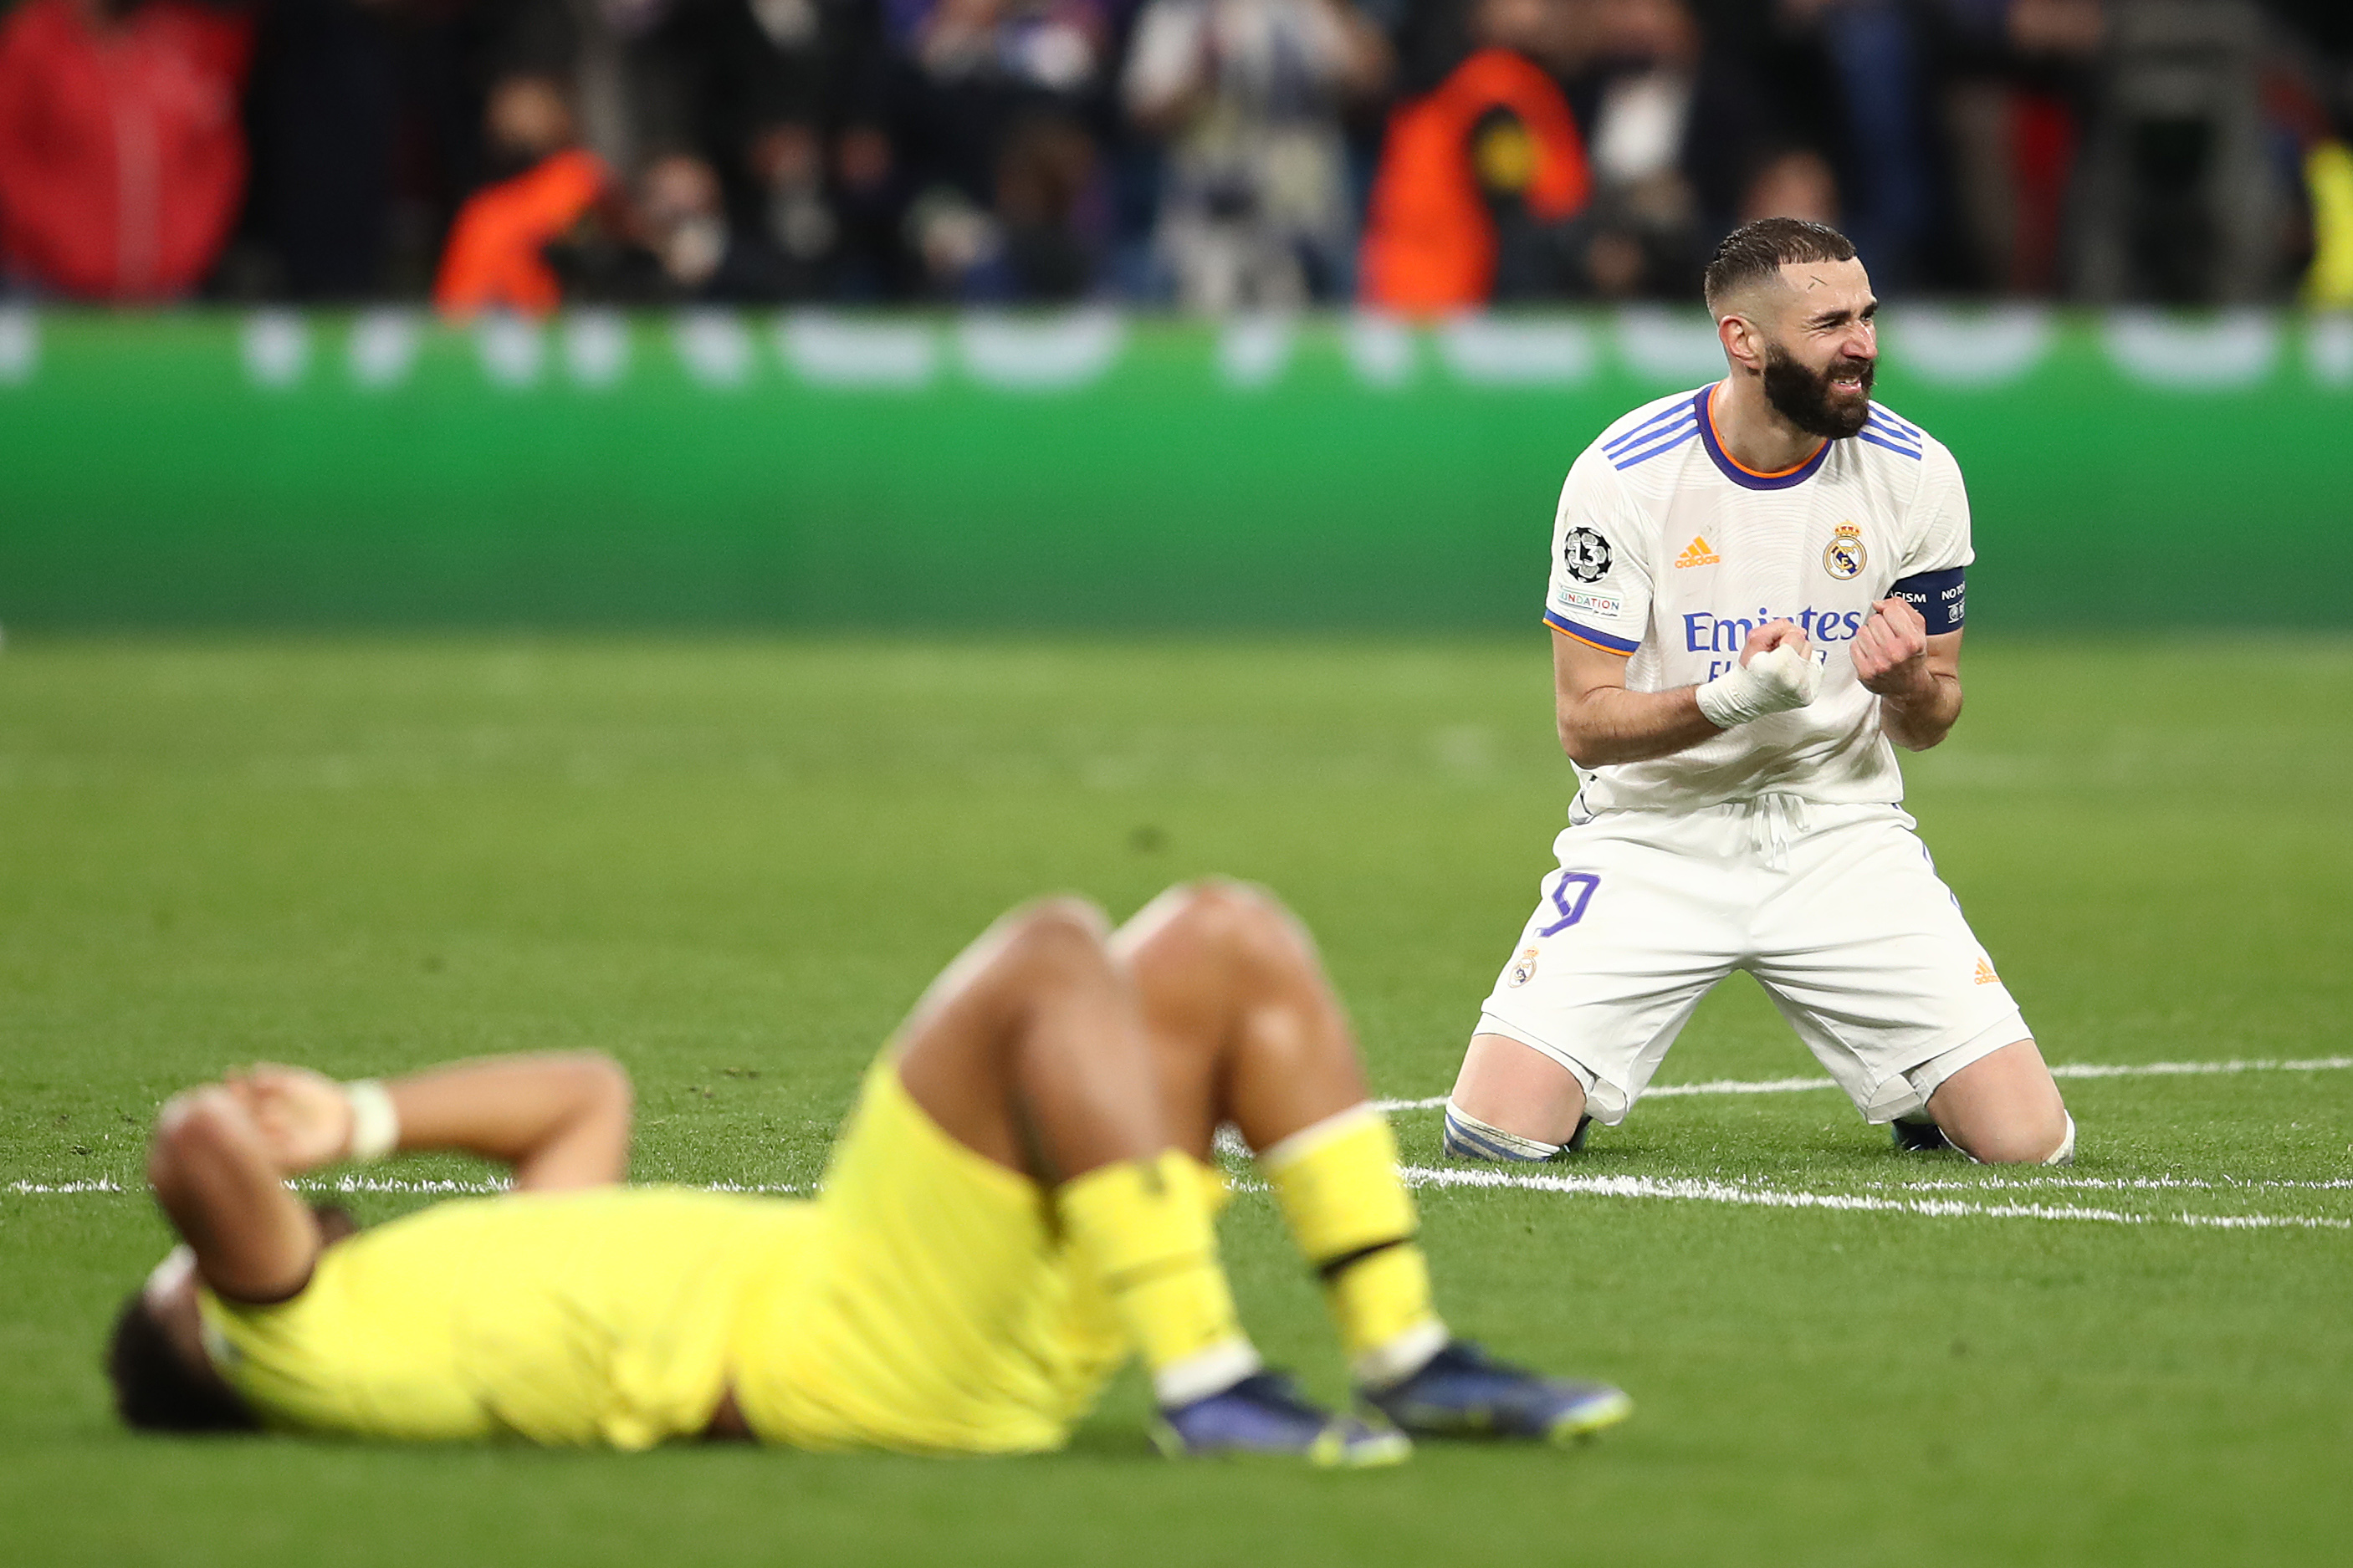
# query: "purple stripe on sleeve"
[[1601, 639]]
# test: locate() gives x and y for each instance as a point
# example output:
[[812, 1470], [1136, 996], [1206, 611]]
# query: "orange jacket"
[[1430, 240], [492, 260]]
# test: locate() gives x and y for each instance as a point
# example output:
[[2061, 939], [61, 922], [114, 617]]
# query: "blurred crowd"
[[1416, 155]]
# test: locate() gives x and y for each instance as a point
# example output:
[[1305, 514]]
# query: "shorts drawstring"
[[1776, 821]]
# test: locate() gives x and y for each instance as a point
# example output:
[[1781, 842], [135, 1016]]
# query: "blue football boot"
[[1264, 1414], [1464, 1393]]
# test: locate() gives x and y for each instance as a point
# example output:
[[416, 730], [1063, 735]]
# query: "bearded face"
[[1832, 402]]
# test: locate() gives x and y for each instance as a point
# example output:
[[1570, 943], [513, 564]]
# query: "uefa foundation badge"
[[1844, 555]]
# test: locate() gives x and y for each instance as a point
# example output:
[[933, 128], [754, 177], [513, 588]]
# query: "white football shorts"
[[1836, 909]]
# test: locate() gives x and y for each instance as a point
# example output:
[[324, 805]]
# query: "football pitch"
[[735, 864]]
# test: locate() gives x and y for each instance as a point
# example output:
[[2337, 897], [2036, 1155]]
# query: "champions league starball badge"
[[1585, 555], [1844, 555]]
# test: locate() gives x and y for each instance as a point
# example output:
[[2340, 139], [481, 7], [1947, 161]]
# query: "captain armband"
[[1941, 597]]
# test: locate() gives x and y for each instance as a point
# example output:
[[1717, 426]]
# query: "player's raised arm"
[[1601, 722], [559, 1120]]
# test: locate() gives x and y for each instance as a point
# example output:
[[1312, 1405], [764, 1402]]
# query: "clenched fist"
[[1890, 651]]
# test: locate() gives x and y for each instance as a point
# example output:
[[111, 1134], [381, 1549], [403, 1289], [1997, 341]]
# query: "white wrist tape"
[[1772, 683], [376, 1123]]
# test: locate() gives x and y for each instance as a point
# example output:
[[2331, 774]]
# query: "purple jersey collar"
[[1748, 479]]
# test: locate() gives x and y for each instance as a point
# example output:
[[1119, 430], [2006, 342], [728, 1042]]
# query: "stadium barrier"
[[1087, 469]]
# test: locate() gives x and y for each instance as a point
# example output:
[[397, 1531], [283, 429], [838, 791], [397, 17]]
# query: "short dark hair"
[[1760, 249], [156, 1390]]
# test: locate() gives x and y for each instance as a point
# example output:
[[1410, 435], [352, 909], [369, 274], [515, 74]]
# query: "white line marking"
[[404, 1186], [390, 1185], [2113, 1183], [483, 1188], [1769, 1197], [1668, 1188], [1426, 1176], [1738, 1085], [442, 1186], [2063, 1069], [2138, 1069]]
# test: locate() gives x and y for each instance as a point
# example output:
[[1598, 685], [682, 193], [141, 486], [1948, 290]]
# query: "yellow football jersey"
[[598, 1317]]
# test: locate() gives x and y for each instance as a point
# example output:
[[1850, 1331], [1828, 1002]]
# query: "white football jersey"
[[1666, 549]]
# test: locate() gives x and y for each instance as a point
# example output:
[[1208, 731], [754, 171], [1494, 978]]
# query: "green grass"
[[733, 864]]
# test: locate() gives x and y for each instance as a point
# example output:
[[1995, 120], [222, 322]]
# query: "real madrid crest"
[[1843, 557], [1524, 968]]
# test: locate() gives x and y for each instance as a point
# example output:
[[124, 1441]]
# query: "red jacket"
[[1430, 241], [121, 157]]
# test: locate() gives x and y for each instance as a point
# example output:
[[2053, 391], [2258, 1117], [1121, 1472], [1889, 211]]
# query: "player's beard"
[[1804, 397]]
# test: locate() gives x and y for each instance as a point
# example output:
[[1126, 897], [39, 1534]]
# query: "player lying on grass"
[[1020, 1201], [1757, 596]]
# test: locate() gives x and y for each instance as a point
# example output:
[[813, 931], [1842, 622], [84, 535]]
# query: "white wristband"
[[375, 1122], [1772, 683]]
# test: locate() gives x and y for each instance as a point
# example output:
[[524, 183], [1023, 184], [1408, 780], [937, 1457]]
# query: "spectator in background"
[[1255, 205], [2329, 175], [748, 92], [1873, 50], [997, 104], [682, 221], [2021, 77], [1480, 178], [121, 156], [1676, 131], [1797, 184], [2306, 100], [1046, 245], [559, 193], [368, 130]]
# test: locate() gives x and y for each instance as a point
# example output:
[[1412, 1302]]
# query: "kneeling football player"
[[1021, 1200]]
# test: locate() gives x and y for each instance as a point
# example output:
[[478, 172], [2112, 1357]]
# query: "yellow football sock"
[[1143, 1226], [1338, 1187]]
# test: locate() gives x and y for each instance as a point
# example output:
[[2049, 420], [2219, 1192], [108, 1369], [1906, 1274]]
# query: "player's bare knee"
[[2029, 1140], [1062, 935], [1240, 919], [1195, 913]]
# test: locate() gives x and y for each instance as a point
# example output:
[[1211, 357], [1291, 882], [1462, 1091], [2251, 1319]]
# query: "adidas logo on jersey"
[[1985, 977], [1697, 553]]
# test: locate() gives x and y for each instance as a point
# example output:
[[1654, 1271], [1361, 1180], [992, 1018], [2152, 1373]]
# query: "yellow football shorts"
[[947, 1315]]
